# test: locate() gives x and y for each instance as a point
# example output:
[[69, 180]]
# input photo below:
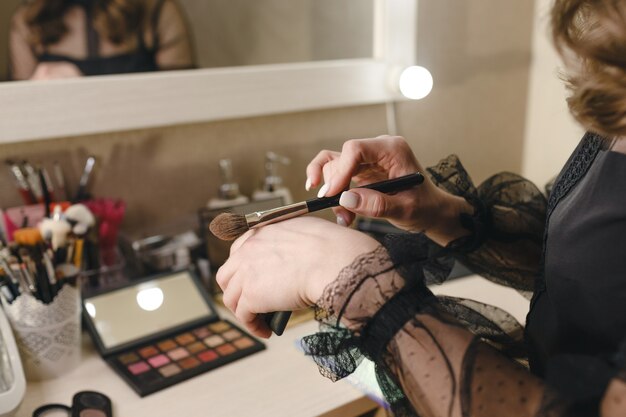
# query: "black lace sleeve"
[[507, 226], [434, 356]]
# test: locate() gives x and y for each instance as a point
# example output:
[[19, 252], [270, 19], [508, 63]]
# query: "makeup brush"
[[229, 226]]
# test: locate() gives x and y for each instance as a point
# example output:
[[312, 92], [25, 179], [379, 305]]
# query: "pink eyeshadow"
[[202, 332], [158, 361], [138, 368], [177, 354]]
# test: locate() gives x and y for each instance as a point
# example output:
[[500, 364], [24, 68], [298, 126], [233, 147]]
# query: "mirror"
[[88, 105], [155, 306], [199, 33]]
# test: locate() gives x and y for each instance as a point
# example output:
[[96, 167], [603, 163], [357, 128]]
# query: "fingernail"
[[341, 221], [349, 200], [322, 192], [307, 185]]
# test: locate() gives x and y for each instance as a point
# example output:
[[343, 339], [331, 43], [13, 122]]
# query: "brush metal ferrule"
[[261, 218]]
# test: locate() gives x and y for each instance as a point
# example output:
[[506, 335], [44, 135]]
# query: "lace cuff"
[[507, 227]]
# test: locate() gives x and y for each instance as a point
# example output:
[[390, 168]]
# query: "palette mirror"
[[317, 54], [149, 308]]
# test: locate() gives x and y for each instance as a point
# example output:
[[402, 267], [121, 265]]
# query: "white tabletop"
[[279, 381]]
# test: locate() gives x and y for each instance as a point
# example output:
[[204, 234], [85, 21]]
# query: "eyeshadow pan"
[[226, 349], [178, 353], [219, 327], [189, 362], [138, 368], [185, 338], [231, 334], [196, 347], [148, 351], [207, 356], [166, 345], [202, 332], [158, 361], [214, 340], [128, 358], [243, 343], [169, 370]]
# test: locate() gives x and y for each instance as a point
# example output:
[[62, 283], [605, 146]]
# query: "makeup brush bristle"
[[229, 226]]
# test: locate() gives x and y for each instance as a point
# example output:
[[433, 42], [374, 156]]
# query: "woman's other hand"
[[55, 71], [286, 266], [424, 208]]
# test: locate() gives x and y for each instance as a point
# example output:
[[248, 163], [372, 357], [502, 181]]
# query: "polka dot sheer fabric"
[[444, 356]]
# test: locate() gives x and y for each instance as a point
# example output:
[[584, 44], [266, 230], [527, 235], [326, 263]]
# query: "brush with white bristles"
[[229, 226]]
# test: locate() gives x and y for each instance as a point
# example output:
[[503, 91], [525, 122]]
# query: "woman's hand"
[[55, 71], [286, 266], [424, 208]]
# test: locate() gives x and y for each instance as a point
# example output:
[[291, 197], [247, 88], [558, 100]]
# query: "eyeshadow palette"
[[174, 333]]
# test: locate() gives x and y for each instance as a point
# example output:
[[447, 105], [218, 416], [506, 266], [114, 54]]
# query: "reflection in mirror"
[[97, 37], [148, 308], [245, 32], [68, 38]]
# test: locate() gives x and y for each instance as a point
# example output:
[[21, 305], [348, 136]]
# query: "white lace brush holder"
[[47, 335]]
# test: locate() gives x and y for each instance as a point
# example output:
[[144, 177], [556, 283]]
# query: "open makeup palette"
[[163, 330]]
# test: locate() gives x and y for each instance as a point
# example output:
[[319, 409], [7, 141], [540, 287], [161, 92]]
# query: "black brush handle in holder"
[[388, 186], [278, 320]]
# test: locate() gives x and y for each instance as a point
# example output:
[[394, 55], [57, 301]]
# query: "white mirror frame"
[[35, 110]]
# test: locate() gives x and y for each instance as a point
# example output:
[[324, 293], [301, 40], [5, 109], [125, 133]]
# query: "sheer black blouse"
[[446, 356]]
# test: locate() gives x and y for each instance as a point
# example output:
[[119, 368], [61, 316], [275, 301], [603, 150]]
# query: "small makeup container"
[[163, 330], [91, 404]]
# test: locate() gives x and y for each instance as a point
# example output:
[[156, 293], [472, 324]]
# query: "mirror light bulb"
[[415, 82], [150, 299]]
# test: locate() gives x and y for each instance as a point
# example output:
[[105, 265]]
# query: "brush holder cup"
[[48, 336]]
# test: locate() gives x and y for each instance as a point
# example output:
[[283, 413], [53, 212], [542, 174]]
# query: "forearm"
[[445, 371]]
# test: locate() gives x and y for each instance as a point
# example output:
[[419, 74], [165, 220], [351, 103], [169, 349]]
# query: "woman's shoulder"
[[19, 20]]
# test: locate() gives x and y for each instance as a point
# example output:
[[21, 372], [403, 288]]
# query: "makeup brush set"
[[35, 184]]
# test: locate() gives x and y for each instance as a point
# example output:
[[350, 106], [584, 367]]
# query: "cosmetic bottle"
[[228, 192], [273, 183]]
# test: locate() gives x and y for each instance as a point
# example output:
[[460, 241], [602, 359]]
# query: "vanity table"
[[279, 381]]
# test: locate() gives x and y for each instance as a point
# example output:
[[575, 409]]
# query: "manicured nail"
[[307, 185], [349, 200], [341, 221], [322, 192]]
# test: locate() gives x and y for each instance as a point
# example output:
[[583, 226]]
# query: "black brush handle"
[[277, 321], [388, 186]]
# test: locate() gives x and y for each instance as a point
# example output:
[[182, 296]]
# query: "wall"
[[479, 53], [551, 132]]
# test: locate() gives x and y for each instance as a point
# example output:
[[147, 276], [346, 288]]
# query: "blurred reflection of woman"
[[70, 38]]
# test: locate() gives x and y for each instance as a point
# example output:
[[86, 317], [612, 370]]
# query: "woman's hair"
[[115, 19], [590, 35]]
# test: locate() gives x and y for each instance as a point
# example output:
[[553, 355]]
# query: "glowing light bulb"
[[150, 299], [415, 82]]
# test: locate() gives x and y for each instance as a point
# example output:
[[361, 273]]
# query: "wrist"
[[447, 226]]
